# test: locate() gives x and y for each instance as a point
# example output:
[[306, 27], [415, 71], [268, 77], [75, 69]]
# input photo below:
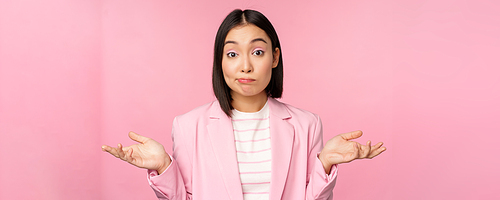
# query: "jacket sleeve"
[[175, 182], [320, 185]]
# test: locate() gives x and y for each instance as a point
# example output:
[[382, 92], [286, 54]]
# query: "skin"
[[248, 55], [247, 66]]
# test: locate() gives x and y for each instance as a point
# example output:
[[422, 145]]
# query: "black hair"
[[235, 18]]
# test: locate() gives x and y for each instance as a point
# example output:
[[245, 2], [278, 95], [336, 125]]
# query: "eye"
[[231, 54], [258, 52]]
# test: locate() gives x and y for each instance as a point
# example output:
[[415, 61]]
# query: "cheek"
[[225, 70], [226, 73], [269, 67], [224, 65]]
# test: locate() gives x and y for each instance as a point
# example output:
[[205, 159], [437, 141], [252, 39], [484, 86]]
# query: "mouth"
[[245, 80]]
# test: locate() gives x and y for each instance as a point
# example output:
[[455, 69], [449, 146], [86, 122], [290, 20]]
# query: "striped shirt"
[[253, 150]]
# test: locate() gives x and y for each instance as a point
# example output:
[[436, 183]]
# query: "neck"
[[249, 104]]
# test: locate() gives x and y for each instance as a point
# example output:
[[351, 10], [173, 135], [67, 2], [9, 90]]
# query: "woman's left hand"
[[340, 149]]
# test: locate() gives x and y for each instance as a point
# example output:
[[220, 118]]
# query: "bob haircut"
[[236, 18]]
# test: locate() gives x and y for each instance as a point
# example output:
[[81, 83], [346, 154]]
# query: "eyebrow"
[[254, 40]]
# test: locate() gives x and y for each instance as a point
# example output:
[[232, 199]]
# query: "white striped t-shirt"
[[253, 150]]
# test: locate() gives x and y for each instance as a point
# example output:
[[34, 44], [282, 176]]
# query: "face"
[[248, 61]]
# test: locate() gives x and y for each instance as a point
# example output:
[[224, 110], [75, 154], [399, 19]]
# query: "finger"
[[126, 155], [126, 149], [112, 151], [105, 148], [130, 153], [108, 149], [364, 151], [120, 152], [351, 135], [359, 149], [378, 145], [377, 152], [136, 137], [129, 156], [368, 149], [375, 147]]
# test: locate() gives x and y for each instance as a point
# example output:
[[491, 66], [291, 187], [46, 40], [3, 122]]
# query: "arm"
[[320, 184], [175, 182], [148, 153], [339, 150], [151, 155], [169, 184]]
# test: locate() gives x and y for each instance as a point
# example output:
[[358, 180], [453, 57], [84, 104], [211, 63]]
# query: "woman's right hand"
[[148, 154]]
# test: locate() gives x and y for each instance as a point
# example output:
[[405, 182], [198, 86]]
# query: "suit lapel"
[[220, 131], [282, 138]]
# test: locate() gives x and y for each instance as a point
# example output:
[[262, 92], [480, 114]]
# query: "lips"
[[245, 80]]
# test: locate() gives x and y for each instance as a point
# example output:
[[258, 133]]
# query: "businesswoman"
[[246, 144]]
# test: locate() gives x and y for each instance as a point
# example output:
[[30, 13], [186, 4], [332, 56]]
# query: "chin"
[[250, 94]]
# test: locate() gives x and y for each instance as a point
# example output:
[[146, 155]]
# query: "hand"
[[340, 150], [147, 154]]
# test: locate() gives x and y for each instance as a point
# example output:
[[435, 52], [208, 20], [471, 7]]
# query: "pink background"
[[422, 76]]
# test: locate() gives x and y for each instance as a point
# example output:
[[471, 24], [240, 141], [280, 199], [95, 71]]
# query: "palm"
[[345, 151], [148, 153], [340, 149]]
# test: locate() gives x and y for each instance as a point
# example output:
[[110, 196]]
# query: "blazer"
[[204, 163]]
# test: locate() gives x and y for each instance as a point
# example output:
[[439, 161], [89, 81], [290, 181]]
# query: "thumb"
[[136, 137], [351, 135]]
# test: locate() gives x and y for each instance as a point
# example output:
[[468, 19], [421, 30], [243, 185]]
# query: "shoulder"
[[201, 114], [202, 111], [297, 114], [305, 123]]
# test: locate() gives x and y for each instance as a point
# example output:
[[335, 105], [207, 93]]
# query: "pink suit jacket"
[[204, 164]]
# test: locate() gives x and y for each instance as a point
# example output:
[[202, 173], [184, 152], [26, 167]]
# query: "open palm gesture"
[[148, 153], [340, 149]]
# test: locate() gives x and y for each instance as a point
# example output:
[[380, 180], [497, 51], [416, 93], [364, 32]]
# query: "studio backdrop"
[[421, 76]]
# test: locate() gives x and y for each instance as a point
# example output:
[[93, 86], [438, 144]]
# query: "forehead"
[[246, 33]]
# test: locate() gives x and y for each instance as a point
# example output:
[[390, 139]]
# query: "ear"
[[276, 57]]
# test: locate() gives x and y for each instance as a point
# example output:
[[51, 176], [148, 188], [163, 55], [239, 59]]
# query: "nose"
[[247, 65]]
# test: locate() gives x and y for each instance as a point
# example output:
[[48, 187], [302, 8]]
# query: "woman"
[[245, 145]]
